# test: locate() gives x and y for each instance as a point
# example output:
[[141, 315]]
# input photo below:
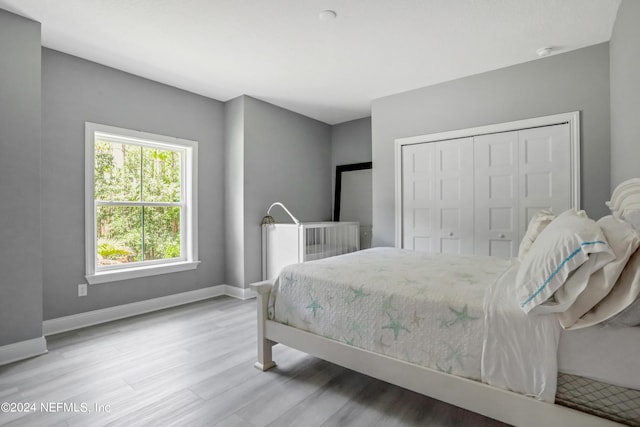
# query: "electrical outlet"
[[82, 290]]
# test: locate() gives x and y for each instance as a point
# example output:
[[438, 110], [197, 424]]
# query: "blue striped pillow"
[[563, 246]]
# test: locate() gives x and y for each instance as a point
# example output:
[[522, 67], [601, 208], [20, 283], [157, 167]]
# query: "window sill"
[[134, 273]]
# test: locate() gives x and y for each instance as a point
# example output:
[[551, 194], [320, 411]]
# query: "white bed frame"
[[502, 405]]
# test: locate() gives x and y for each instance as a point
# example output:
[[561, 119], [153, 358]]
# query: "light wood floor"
[[193, 365]]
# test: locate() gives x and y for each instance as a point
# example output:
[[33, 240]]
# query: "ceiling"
[[280, 51]]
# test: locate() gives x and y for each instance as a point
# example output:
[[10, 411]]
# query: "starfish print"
[[286, 283], [381, 343], [288, 308], [468, 277], [315, 306], [456, 355], [420, 290], [358, 293], [462, 316], [395, 326], [416, 319], [288, 277], [386, 304], [446, 371]]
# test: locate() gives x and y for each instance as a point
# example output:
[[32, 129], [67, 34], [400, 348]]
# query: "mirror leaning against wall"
[[353, 198]]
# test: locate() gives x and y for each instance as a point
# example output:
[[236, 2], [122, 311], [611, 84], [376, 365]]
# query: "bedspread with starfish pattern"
[[422, 308]]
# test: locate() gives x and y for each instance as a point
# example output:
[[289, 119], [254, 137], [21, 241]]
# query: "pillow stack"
[[624, 242], [568, 242], [586, 272], [538, 223]]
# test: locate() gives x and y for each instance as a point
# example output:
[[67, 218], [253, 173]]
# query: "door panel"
[[437, 199], [545, 183], [496, 198], [454, 178], [418, 197]]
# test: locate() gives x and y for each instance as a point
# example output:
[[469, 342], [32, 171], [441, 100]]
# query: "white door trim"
[[572, 118]]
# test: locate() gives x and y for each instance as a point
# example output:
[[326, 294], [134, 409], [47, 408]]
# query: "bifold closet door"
[[454, 196], [518, 174], [545, 171], [478, 194], [418, 197], [438, 196], [496, 194]]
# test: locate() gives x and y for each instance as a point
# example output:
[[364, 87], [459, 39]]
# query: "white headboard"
[[625, 202]]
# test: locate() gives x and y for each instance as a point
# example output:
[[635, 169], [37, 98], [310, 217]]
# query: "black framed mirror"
[[353, 198], [340, 169]]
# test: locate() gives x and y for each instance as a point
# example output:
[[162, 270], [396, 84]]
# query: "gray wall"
[[75, 91], [20, 141], [234, 190], [577, 80], [625, 93], [286, 158], [350, 143]]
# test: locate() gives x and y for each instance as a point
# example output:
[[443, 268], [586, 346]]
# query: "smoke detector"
[[327, 15]]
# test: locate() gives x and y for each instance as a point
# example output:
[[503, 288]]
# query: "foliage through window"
[[140, 199]]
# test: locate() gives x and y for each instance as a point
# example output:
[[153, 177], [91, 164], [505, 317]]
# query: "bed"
[[460, 328]]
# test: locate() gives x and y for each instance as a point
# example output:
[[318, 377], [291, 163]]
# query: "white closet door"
[[418, 197], [496, 197], [454, 196], [545, 175]]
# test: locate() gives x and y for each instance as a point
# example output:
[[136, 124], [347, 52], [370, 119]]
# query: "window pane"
[[160, 175], [119, 235], [161, 232], [117, 171]]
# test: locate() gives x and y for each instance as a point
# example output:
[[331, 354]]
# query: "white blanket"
[[422, 308], [520, 350]]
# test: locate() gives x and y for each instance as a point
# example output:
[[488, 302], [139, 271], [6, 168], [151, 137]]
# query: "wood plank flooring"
[[193, 365]]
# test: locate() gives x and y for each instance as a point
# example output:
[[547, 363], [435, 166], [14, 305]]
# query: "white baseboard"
[[89, 318], [240, 293], [22, 350]]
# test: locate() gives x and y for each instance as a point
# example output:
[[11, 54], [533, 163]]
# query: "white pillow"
[[575, 284], [538, 222], [629, 210], [563, 246], [624, 293], [624, 241]]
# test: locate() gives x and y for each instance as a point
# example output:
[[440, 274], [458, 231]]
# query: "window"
[[141, 212]]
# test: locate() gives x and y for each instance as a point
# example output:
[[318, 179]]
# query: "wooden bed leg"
[[265, 357]]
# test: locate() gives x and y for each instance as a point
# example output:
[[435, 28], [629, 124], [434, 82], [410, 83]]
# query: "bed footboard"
[[265, 356], [493, 402]]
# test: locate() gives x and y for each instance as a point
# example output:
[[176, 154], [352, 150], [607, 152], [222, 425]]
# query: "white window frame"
[[188, 203]]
